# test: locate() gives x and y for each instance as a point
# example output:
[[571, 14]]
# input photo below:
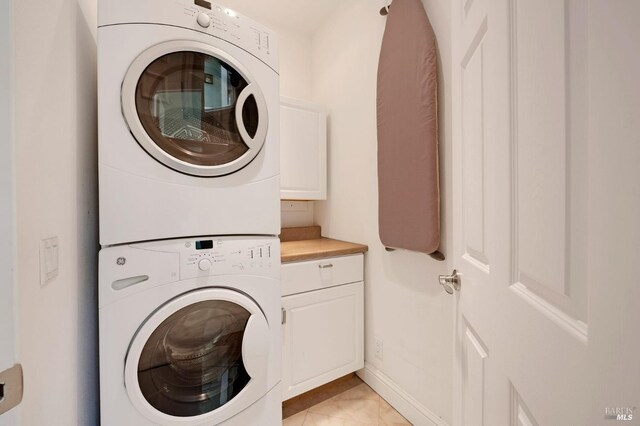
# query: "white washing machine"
[[188, 95], [190, 332]]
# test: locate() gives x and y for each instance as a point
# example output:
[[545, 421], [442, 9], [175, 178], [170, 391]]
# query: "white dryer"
[[188, 97], [190, 332]]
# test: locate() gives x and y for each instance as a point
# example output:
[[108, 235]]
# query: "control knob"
[[204, 264], [203, 20]]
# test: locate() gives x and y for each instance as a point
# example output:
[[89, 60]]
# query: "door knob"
[[451, 282]]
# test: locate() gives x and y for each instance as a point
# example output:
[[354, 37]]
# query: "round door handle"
[[450, 283]]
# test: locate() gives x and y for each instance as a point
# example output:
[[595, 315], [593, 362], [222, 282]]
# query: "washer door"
[[200, 357], [194, 108]]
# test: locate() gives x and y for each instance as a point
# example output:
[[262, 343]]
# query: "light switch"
[[48, 260]]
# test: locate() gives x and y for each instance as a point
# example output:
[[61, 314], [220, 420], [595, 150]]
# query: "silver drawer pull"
[[328, 265]]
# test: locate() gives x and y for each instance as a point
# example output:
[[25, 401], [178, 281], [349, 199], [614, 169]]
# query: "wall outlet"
[[379, 348], [294, 206]]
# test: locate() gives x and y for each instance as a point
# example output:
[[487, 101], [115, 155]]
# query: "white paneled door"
[[546, 103]]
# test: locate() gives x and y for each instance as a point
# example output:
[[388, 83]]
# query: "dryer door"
[[194, 108], [201, 357]]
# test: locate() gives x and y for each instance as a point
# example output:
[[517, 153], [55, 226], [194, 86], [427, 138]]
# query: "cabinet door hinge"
[[284, 316]]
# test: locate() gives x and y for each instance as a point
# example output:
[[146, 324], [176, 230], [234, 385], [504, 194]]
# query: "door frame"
[[8, 329], [7, 192]]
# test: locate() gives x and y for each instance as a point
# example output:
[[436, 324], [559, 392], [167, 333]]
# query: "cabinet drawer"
[[298, 277]]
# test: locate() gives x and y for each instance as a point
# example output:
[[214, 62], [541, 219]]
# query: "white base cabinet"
[[323, 329]]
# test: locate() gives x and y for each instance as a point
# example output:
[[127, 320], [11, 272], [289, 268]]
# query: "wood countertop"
[[319, 248], [316, 247]]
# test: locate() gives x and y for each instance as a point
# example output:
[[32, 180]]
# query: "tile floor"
[[357, 405]]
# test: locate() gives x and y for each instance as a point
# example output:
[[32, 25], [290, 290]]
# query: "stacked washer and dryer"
[[189, 290]]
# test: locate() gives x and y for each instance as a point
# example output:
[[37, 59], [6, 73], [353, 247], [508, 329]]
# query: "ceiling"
[[304, 16]]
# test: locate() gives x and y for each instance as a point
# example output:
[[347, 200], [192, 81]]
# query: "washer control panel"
[[215, 256]]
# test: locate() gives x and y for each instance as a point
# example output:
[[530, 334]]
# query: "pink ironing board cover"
[[408, 186]]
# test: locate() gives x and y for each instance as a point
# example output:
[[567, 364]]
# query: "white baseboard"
[[409, 407]]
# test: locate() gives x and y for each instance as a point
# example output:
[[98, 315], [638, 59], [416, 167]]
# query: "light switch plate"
[[49, 253]]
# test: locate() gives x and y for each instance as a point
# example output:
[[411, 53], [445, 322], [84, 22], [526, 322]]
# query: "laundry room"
[[307, 212]]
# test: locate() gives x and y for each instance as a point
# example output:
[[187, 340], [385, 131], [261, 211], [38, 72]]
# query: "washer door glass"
[[194, 108], [192, 363]]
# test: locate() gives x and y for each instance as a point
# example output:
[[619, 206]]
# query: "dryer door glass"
[[192, 363], [186, 102]]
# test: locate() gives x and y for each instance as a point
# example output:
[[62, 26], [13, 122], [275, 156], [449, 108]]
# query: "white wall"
[[404, 304], [295, 64], [56, 172]]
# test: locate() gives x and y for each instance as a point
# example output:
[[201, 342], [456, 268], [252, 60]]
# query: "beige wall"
[[56, 190], [404, 305]]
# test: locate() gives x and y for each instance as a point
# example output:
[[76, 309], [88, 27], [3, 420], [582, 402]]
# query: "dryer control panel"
[[228, 24], [199, 15]]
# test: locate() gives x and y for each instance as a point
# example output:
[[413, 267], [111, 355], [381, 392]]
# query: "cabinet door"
[[323, 337], [303, 150]]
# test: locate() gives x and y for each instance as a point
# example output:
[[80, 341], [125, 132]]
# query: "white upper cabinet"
[[303, 150]]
